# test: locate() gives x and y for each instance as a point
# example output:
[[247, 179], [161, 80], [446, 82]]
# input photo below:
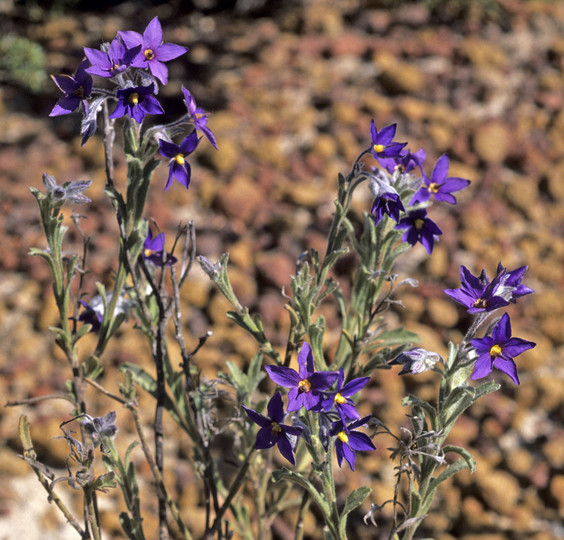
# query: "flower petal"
[[286, 377]]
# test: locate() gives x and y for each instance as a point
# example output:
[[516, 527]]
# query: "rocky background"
[[292, 87]]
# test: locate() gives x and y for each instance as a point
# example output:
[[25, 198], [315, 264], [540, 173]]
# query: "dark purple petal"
[[159, 70], [286, 449], [256, 417], [349, 410], [515, 346], [265, 439], [305, 361], [349, 455], [131, 39], [322, 380], [354, 386], [508, 367], [386, 135], [286, 377], [502, 330], [360, 441], [189, 144], [275, 408], [168, 150], [483, 367]]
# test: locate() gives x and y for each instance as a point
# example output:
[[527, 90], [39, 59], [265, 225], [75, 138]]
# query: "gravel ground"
[[292, 88]]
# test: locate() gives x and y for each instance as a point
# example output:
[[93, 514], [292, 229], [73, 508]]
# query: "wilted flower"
[[93, 312], [348, 441], [69, 191], [116, 60], [382, 142], [136, 102], [100, 427], [340, 399], [151, 51], [439, 185], [419, 228], [510, 287], [416, 360], [272, 431], [307, 385], [75, 89], [498, 350], [198, 117], [179, 168]]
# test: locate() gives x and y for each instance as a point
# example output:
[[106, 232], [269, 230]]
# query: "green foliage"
[[22, 62]]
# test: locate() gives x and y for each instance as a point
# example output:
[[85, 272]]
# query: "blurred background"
[[291, 88]]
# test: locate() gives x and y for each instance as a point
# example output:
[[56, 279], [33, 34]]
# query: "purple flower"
[[108, 64], [439, 185], [198, 117], [416, 361], [154, 250], [179, 167], [499, 350], [387, 203], [75, 89], [151, 51], [478, 294], [349, 442], [405, 162], [136, 102], [419, 228], [340, 399], [307, 385], [272, 431], [382, 142]]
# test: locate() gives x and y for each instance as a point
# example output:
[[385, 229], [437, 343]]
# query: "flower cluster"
[[135, 63], [480, 295], [397, 163], [309, 389]]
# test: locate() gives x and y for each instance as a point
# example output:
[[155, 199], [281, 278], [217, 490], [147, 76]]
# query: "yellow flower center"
[[79, 92], [149, 54], [378, 148], [179, 158], [148, 252], [495, 350], [304, 385], [134, 98], [418, 223], [434, 187], [480, 303], [275, 428], [343, 437], [339, 400]]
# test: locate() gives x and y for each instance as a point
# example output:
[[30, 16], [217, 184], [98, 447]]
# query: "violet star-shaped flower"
[[152, 52], [479, 294], [387, 204], [439, 186], [404, 163], [348, 441], [498, 350], [382, 142], [179, 167], [198, 117], [419, 228], [340, 399], [136, 102], [116, 60], [307, 385], [154, 250], [75, 88], [272, 431]]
